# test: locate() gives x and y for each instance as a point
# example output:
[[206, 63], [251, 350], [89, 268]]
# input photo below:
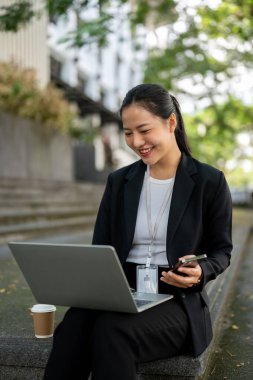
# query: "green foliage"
[[89, 32], [226, 31], [59, 7], [213, 44], [238, 178], [82, 132], [15, 16], [213, 131], [154, 13], [233, 22], [185, 57], [21, 96], [231, 18], [19, 14]]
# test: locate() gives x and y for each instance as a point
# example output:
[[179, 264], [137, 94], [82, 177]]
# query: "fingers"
[[191, 271], [188, 277], [172, 280]]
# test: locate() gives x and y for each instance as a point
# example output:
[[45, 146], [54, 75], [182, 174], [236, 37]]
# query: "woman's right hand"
[[185, 277]]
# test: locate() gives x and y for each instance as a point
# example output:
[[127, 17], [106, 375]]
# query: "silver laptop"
[[87, 276]]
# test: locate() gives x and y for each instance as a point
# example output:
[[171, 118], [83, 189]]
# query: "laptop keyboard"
[[142, 302]]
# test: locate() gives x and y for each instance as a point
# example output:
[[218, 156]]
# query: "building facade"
[[95, 78], [28, 47]]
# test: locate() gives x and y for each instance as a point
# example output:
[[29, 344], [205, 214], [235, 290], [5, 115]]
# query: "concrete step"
[[30, 208], [52, 194], [19, 189], [21, 206], [18, 185], [47, 202], [24, 215], [24, 231], [24, 182]]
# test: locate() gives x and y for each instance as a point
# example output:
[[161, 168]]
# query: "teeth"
[[145, 150]]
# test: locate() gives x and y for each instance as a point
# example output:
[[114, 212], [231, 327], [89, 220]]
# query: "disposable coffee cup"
[[43, 320]]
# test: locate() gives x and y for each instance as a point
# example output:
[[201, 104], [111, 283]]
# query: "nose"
[[137, 140]]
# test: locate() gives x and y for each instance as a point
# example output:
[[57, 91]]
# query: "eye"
[[127, 134], [145, 131]]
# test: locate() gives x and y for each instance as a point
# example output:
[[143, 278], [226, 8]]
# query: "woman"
[[163, 207]]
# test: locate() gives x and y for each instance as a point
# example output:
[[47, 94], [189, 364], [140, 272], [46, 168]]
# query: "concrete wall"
[[32, 151]]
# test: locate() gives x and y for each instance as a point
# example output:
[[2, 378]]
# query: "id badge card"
[[147, 279]]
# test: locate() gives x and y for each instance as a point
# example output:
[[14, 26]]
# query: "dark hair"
[[157, 100]]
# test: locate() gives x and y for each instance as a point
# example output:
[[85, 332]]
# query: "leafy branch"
[[15, 16]]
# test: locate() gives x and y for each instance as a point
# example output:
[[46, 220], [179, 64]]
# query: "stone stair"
[[42, 208]]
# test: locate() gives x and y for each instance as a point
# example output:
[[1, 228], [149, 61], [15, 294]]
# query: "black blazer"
[[199, 222]]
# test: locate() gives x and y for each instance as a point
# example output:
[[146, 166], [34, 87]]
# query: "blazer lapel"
[[132, 194], [182, 191]]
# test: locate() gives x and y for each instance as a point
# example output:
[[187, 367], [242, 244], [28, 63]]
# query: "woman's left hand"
[[186, 276]]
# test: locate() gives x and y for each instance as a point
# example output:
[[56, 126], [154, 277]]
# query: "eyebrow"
[[138, 126]]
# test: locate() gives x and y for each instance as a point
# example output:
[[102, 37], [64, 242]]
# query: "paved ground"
[[233, 357], [81, 237]]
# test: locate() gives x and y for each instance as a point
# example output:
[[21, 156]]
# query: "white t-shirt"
[[139, 251]]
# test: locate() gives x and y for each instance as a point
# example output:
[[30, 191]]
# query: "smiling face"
[[150, 136]]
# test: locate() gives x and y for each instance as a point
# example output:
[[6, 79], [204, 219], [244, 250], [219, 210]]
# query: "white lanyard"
[[153, 231]]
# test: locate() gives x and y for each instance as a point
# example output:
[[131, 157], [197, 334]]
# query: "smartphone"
[[187, 262]]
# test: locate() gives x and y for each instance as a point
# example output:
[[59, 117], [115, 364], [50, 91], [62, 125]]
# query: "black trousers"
[[110, 344]]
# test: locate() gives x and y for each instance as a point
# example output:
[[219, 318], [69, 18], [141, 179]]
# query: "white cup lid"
[[42, 308]]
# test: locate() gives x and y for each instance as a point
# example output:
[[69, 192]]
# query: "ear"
[[172, 122]]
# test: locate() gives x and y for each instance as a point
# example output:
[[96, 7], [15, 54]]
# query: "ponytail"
[[180, 134]]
